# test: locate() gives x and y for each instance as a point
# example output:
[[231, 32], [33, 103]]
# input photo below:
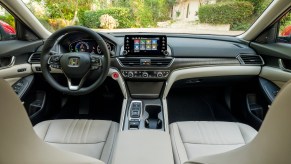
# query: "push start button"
[[115, 75]]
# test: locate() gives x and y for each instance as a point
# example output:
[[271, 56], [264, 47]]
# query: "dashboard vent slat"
[[34, 58], [160, 62], [130, 62], [250, 60]]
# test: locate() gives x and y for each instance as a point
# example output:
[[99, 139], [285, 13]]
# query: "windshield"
[[220, 17]]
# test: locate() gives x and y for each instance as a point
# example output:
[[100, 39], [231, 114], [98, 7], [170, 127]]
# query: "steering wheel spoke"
[[96, 61], [73, 87], [54, 61]]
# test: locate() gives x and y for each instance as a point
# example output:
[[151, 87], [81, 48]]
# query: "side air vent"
[[250, 59], [130, 61], [34, 58], [161, 62]]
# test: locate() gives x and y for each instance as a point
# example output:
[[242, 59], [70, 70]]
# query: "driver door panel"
[[14, 56]]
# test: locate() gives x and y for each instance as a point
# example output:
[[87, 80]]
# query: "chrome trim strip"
[[121, 84], [12, 62], [282, 67], [29, 59], [165, 112]]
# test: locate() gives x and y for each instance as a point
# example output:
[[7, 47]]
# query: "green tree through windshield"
[[179, 16]]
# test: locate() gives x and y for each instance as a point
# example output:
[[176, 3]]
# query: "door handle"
[[6, 62]]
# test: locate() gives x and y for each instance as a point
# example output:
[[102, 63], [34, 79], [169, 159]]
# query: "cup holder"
[[153, 121]]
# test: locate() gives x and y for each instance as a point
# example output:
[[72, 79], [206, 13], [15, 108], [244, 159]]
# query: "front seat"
[[192, 139], [18, 141], [94, 138], [271, 145]]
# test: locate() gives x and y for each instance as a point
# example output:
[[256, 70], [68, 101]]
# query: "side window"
[[7, 25], [284, 35]]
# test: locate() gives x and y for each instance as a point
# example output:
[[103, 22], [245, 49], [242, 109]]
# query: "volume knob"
[[145, 74], [159, 74], [130, 74], [166, 53], [124, 52]]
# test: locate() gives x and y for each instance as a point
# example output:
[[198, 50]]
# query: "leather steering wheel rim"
[[45, 55]]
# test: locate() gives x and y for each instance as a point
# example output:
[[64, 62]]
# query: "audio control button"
[[130, 74], [145, 74], [159, 74]]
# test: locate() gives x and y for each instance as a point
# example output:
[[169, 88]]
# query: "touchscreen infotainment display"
[[145, 45]]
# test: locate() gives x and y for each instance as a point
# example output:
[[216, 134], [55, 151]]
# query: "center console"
[[145, 62], [144, 114], [144, 65]]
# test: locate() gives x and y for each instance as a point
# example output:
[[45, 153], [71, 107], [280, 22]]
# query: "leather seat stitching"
[[47, 131], [201, 133], [106, 139], [174, 138], [241, 133], [182, 140], [66, 133], [81, 134], [76, 121], [113, 142], [88, 130]]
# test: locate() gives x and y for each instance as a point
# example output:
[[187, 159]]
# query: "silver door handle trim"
[[12, 62]]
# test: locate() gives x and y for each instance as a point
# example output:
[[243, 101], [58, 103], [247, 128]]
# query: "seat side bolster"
[[41, 129], [109, 144], [179, 150], [248, 133]]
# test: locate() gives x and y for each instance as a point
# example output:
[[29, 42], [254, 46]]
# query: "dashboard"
[[151, 56]]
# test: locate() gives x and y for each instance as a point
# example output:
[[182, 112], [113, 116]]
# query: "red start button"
[[115, 75]]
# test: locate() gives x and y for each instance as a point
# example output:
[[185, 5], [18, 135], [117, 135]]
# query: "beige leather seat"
[[18, 141], [271, 145], [94, 138], [193, 139]]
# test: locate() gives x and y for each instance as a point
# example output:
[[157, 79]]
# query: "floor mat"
[[198, 105]]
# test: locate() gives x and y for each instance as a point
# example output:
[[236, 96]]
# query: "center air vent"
[[250, 60], [158, 62], [130, 61], [34, 58]]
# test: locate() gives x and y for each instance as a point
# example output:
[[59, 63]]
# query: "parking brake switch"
[[135, 111]]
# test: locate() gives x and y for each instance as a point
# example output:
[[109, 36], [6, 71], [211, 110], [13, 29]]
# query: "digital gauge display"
[[84, 46], [87, 46]]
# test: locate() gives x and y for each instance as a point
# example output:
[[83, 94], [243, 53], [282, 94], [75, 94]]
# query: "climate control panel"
[[145, 74]]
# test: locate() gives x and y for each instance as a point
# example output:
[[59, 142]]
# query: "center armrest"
[[143, 147]]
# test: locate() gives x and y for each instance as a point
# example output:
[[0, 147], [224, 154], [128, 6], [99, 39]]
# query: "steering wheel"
[[76, 66]]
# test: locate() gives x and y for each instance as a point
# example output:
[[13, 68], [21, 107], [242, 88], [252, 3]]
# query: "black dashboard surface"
[[200, 46], [188, 47], [184, 46]]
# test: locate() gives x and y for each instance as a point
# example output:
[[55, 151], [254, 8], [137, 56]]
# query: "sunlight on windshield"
[[223, 17]]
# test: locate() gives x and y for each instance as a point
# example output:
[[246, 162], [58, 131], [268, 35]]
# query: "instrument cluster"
[[88, 45]]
